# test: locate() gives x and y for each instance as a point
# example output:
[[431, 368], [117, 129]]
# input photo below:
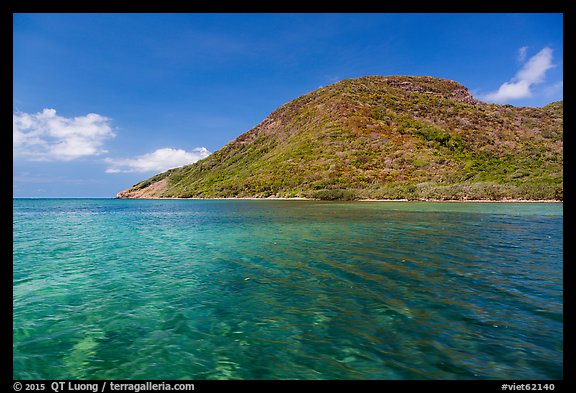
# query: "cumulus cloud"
[[47, 136], [532, 72], [159, 160]]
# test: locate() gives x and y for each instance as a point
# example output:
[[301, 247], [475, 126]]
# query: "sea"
[[275, 290]]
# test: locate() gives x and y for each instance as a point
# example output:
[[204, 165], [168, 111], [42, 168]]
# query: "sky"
[[103, 101]]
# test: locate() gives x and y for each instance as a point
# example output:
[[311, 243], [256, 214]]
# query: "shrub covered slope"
[[384, 138]]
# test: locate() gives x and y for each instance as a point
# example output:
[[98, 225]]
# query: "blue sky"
[[103, 101]]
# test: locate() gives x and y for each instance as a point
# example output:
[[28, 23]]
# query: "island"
[[382, 138]]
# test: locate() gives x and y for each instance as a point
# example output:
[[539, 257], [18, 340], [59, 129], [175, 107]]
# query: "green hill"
[[384, 138]]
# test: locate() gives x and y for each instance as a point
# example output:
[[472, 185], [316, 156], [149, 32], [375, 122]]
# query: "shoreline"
[[360, 200], [468, 200]]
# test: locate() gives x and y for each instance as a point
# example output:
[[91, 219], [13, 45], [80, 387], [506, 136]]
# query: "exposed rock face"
[[429, 85], [153, 190]]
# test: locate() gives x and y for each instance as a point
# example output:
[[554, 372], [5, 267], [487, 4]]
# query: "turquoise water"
[[183, 289]]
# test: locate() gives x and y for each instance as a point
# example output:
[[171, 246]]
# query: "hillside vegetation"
[[384, 138]]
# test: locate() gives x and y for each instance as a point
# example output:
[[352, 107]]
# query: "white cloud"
[[510, 91], [555, 89], [535, 68], [159, 160], [48, 136], [522, 54], [532, 72]]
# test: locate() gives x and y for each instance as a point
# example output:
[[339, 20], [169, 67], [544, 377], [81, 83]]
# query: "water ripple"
[[110, 289]]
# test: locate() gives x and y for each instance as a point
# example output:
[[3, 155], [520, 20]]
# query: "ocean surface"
[[245, 289]]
